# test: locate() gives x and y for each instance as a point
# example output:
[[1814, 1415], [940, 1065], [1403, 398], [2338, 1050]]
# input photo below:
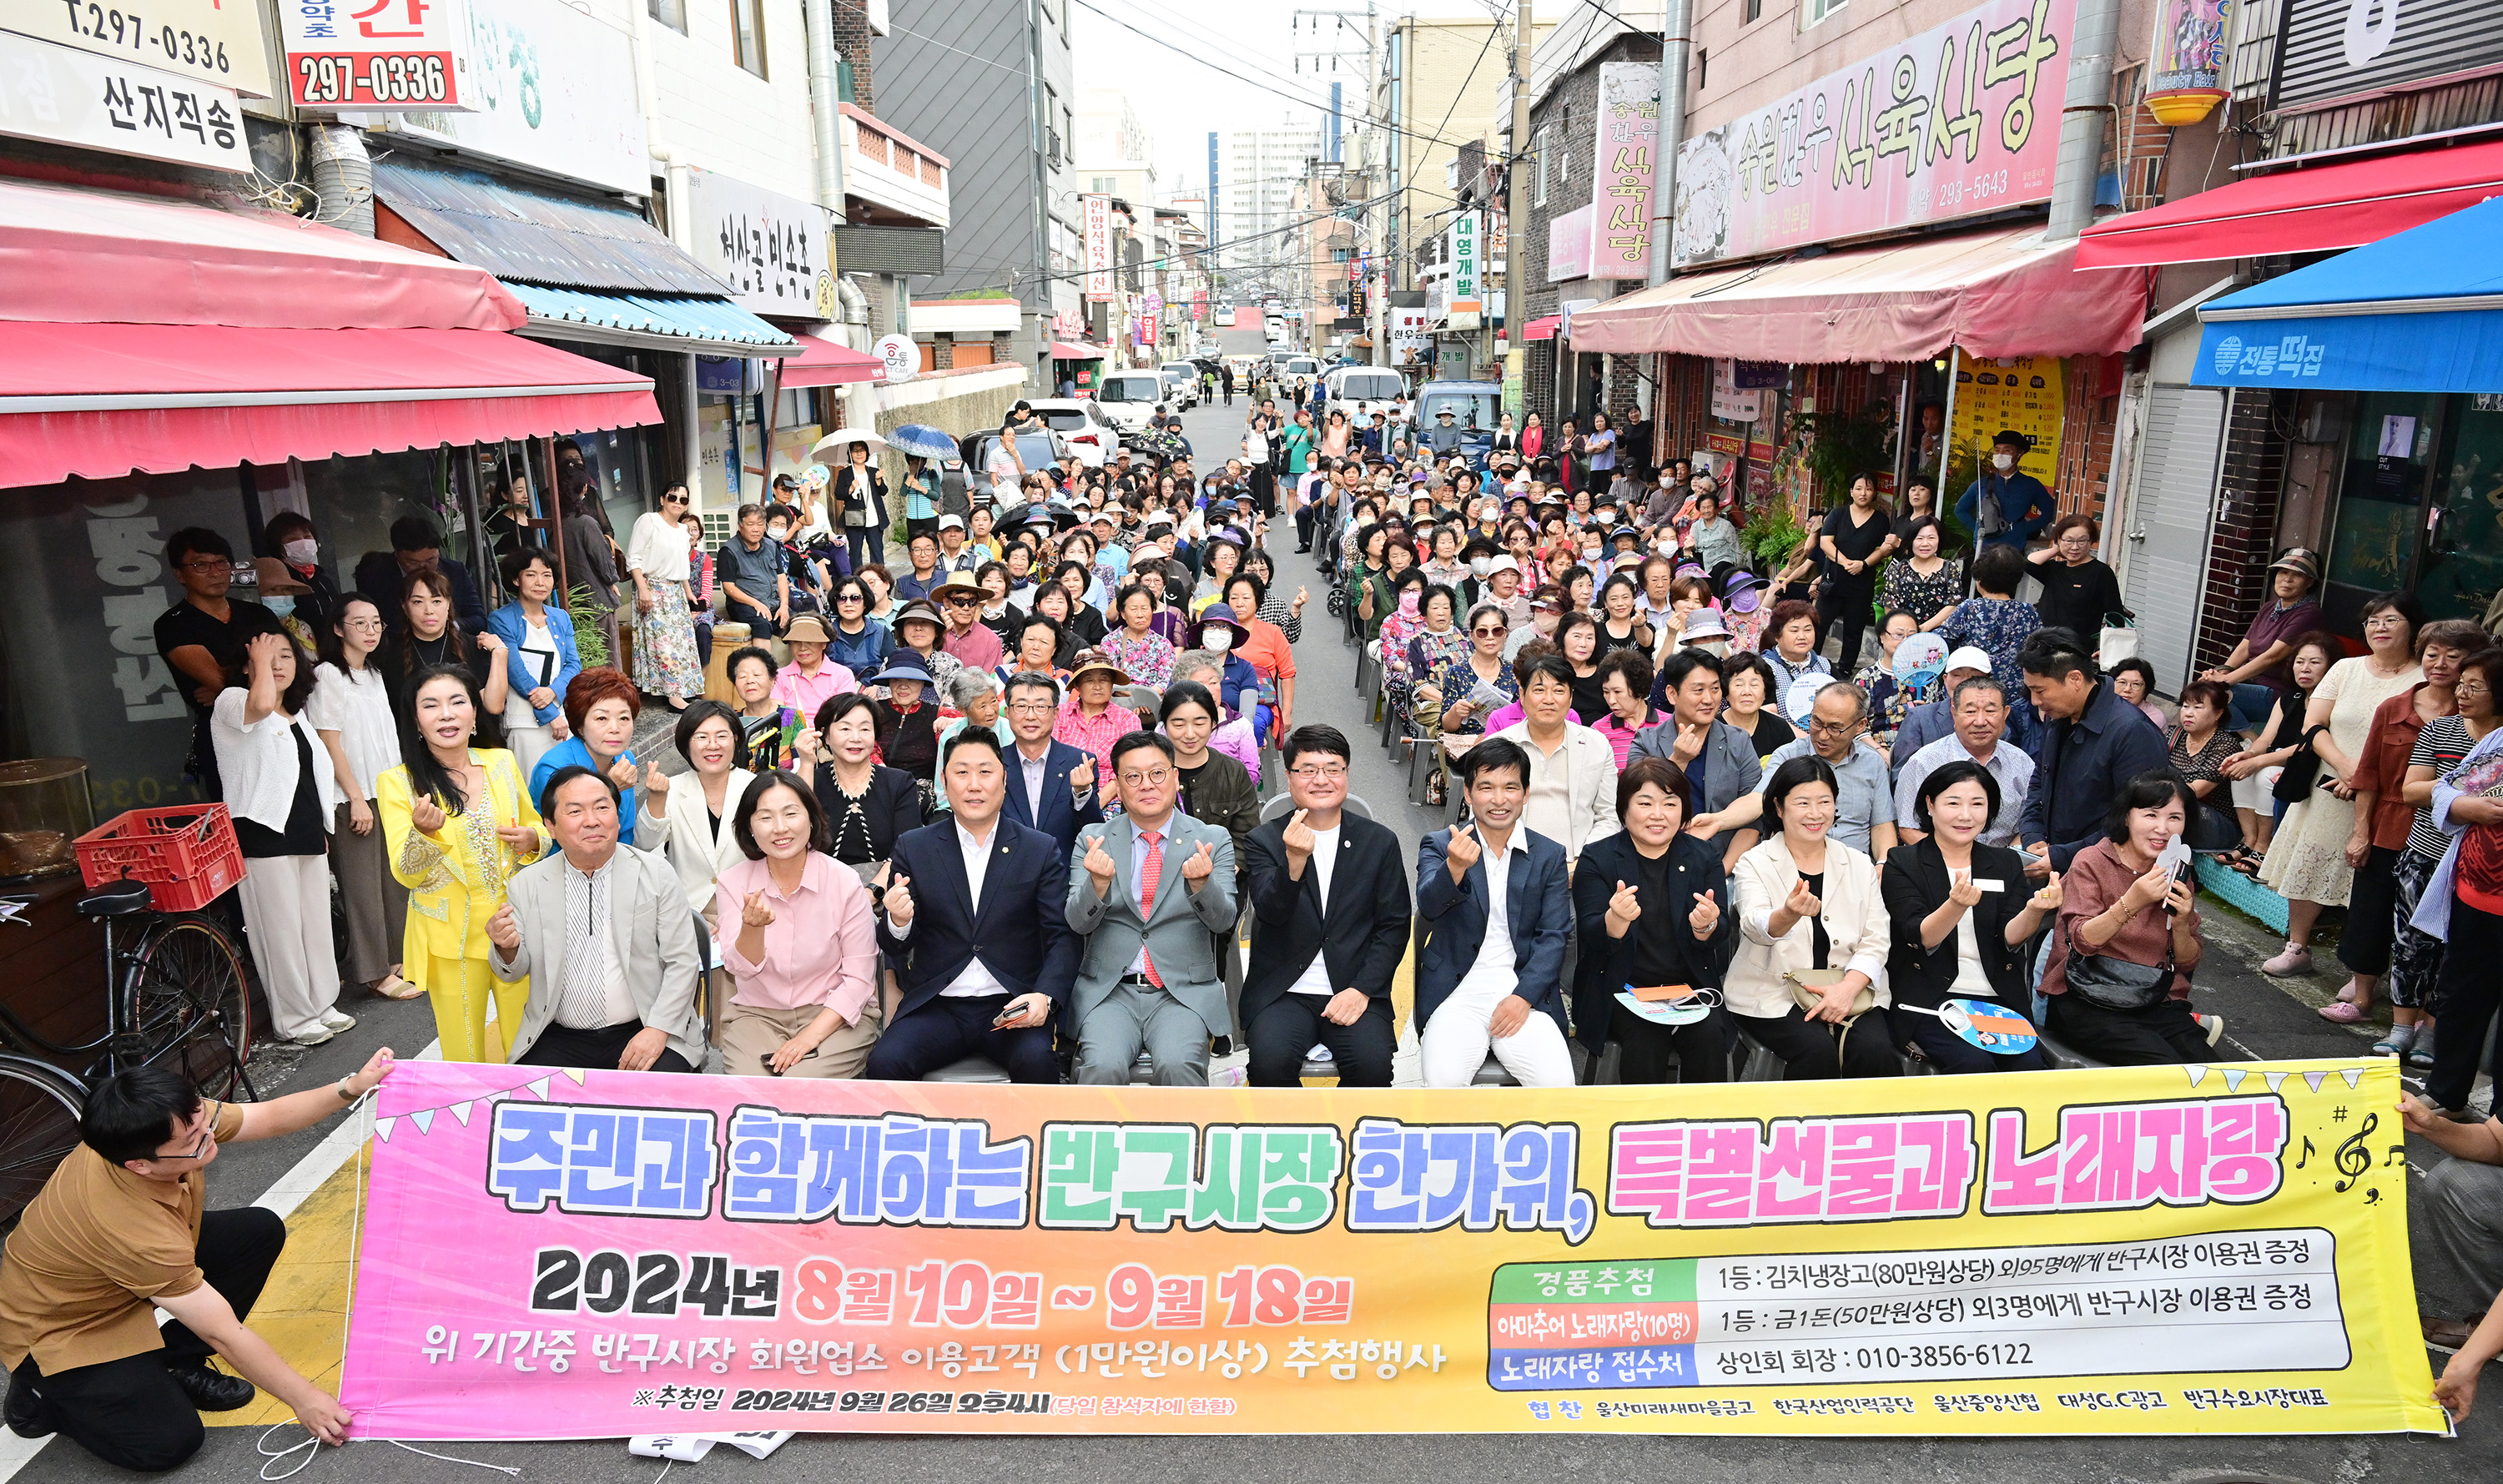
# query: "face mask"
[[1590, 555], [1666, 541], [1408, 603], [1478, 565], [2005, 462], [303, 552], [1544, 622], [1218, 641], [779, 532], [282, 607]]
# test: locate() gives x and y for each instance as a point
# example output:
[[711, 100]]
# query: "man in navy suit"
[[1332, 907], [977, 927], [1051, 785], [1495, 909]]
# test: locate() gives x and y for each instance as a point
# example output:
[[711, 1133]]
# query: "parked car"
[[1360, 392], [1474, 406], [1182, 383], [1081, 425], [1128, 398], [1039, 451], [1226, 317]]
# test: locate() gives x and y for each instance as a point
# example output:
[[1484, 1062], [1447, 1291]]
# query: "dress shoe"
[[23, 1412], [212, 1391]]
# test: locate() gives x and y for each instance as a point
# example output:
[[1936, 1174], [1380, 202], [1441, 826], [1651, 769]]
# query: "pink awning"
[[1992, 293], [103, 400], [824, 363], [2317, 209], [1543, 329], [1062, 350], [76, 255]]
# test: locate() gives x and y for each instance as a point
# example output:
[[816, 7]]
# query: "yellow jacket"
[[455, 877]]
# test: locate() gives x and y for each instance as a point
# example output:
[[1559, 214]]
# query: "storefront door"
[[2372, 547], [2462, 565]]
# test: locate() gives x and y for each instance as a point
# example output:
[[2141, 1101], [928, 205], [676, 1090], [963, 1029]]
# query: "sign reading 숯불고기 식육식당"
[[553, 1254]]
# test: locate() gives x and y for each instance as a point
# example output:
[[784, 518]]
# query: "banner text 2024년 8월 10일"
[[605, 1254]]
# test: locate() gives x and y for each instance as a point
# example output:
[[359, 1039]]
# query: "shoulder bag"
[[2111, 983], [1807, 992]]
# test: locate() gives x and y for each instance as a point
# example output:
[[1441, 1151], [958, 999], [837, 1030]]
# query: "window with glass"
[[747, 34], [2461, 568], [1814, 12], [2380, 496], [668, 12]]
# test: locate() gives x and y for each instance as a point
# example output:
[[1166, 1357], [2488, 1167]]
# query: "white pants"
[[1455, 1043], [287, 916], [528, 744]]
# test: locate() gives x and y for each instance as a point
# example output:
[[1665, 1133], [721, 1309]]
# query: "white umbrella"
[[843, 435]]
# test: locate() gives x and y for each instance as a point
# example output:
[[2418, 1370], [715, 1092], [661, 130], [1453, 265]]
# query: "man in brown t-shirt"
[[118, 1232]]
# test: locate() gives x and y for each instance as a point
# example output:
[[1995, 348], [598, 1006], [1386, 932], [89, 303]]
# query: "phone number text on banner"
[[602, 1254]]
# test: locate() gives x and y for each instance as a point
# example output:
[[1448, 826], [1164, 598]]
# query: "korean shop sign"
[[217, 42], [92, 101], [1626, 160], [770, 249], [376, 55], [1961, 120]]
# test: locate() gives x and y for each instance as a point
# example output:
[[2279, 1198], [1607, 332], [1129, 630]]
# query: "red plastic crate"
[[188, 854]]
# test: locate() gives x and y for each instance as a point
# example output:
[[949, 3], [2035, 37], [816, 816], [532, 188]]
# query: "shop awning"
[[1992, 293], [711, 326], [73, 254], [2317, 209], [1062, 350], [1542, 328], [586, 270], [2418, 312], [824, 363], [102, 401]]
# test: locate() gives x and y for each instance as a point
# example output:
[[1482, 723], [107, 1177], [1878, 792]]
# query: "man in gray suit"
[[603, 933], [1151, 976]]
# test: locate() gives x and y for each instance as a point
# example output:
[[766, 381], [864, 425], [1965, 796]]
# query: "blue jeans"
[[2252, 706]]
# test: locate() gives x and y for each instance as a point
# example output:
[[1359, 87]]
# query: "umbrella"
[[922, 441], [843, 435]]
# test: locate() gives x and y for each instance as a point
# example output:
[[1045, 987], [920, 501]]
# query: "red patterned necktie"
[[1148, 874]]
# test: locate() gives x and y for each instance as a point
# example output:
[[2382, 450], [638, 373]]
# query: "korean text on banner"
[[1627, 155], [1963, 118], [377, 55], [72, 97], [2140, 1250], [2024, 393], [1099, 247]]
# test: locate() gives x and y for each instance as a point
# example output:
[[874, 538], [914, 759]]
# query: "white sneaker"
[[313, 1037], [337, 1020]]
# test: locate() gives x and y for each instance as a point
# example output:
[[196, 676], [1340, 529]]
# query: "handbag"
[[1807, 987], [2117, 642], [2111, 982]]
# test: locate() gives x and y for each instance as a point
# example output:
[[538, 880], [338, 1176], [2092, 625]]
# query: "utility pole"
[[1516, 257]]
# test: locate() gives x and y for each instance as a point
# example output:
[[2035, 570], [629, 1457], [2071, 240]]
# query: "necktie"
[[1149, 873]]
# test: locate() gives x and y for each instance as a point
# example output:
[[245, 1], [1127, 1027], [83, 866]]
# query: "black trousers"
[[1264, 489], [564, 1046], [2372, 928], [1281, 1034], [130, 1412], [2163, 1034], [1304, 514], [1818, 1050], [2464, 1001], [1850, 604], [949, 1028], [1700, 1049], [1954, 1056]]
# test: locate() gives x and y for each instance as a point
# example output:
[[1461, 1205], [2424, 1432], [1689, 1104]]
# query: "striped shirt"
[[2440, 746]]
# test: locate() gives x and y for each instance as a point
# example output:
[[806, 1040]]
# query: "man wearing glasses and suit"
[[1148, 891], [1330, 891]]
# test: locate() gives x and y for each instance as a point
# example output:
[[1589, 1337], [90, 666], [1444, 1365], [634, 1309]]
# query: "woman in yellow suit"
[[458, 821]]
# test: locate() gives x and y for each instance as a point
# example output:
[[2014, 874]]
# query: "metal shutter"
[[2168, 524]]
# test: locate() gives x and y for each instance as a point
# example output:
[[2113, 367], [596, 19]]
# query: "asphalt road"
[[2264, 1019]]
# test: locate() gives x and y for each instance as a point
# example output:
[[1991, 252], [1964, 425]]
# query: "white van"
[[1360, 392], [1130, 397]]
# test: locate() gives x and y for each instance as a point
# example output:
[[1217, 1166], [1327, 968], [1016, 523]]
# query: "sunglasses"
[[1488, 633]]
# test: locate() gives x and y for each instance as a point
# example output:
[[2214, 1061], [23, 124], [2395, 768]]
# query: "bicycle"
[[176, 996]]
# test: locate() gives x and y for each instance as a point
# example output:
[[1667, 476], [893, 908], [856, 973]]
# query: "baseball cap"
[[1968, 658], [951, 523]]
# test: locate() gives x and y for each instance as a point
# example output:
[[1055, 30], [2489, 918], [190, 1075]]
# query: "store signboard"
[[1568, 245], [1465, 255], [1731, 403], [217, 42], [550, 88], [1099, 247], [85, 99], [1963, 118], [1627, 159], [773, 251], [377, 55], [2335, 49]]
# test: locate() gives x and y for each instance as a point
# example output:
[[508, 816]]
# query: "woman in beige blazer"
[[1808, 905], [691, 822]]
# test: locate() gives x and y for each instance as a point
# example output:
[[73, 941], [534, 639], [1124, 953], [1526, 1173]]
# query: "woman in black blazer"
[[860, 506], [1962, 914], [1648, 903]]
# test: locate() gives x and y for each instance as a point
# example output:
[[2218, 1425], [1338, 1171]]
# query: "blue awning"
[[2422, 311], [685, 322]]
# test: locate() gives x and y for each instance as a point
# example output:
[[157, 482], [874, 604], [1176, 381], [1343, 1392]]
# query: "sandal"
[[2344, 1012], [396, 987]]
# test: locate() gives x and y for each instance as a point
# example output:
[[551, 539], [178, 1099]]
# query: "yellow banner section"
[[2212, 1248]]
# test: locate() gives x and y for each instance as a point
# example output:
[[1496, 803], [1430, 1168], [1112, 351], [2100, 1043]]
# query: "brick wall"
[[2248, 504], [852, 43], [2082, 480]]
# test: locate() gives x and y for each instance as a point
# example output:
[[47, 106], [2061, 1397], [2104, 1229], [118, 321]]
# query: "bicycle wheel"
[[39, 1126], [191, 1006]]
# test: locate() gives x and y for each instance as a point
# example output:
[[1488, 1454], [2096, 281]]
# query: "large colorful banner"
[[2152, 1250], [1961, 120]]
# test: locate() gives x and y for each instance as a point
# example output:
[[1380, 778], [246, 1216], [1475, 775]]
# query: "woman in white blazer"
[[1808, 905], [692, 822]]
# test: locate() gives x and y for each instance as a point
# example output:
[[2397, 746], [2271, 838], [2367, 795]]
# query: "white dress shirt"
[[975, 981], [1493, 975], [1034, 770], [1325, 861]]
